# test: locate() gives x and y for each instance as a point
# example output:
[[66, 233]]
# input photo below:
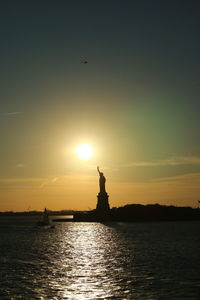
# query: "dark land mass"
[[142, 213], [127, 213], [156, 212]]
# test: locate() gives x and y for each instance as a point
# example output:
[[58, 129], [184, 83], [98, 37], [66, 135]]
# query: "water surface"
[[144, 261]]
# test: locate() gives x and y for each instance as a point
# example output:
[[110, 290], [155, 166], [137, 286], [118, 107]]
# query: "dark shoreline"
[[127, 213]]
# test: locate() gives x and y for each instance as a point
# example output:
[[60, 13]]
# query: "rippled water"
[[96, 261]]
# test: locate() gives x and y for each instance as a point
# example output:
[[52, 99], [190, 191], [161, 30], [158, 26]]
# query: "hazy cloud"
[[49, 181], [64, 180], [12, 113], [20, 165], [20, 180], [20, 183], [174, 161]]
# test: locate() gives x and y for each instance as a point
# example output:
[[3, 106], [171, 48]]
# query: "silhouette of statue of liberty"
[[103, 207]]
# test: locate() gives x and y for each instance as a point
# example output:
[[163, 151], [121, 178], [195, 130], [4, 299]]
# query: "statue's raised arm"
[[98, 170]]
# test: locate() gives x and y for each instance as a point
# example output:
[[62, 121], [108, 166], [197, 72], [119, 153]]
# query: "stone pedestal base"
[[103, 207]]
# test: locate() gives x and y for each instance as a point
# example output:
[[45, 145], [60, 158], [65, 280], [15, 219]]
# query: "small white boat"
[[45, 221]]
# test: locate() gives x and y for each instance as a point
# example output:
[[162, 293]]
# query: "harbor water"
[[80, 261]]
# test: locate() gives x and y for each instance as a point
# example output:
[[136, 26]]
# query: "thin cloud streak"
[[12, 113], [174, 161], [189, 177]]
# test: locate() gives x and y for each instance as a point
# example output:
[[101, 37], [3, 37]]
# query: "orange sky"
[[79, 192]]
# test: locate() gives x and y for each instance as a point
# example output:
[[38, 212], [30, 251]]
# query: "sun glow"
[[84, 151]]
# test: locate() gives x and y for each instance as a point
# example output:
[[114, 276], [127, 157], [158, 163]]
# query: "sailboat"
[[45, 220]]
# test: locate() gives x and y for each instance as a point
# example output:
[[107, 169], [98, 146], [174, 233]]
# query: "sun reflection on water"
[[86, 265]]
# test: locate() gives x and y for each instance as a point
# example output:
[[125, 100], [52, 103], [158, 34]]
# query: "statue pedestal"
[[103, 207]]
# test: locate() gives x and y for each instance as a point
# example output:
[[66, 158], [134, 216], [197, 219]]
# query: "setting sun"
[[84, 151]]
